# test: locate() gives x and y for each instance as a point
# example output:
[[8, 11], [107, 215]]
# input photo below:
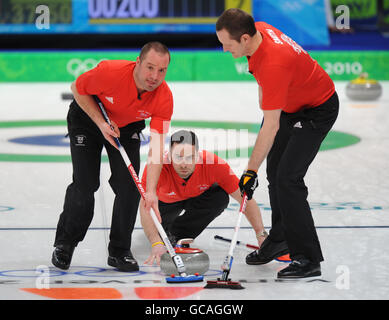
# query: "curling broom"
[[177, 260], [224, 282]]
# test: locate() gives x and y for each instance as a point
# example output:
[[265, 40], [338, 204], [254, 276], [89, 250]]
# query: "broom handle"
[[237, 227], [226, 266], [176, 258], [239, 243]]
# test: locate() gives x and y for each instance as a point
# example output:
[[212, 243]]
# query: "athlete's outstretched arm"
[[154, 167], [265, 138], [157, 246]]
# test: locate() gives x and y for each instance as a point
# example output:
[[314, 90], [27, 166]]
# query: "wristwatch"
[[263, 233]]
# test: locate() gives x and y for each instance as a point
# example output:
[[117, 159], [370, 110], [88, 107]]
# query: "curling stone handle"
[[176, 258], [184, 241]]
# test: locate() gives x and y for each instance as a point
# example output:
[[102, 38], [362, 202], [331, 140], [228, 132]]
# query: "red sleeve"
[[275, 81], [95, 81], [224, 175], [160, 120]]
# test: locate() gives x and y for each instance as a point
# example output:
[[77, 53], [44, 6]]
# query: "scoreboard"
[[161, 11], [302, 20], [117, 16]]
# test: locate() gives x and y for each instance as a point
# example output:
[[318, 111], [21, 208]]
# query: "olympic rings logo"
[[86, 271], [76, 66], [50, 272]]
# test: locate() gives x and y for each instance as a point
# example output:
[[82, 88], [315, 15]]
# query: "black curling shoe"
[[268, 251], [125, 263], [62, 256], [300, 268]]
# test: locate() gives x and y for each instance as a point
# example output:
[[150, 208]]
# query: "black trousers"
[[86, 144], [296, 144], [198, 213]]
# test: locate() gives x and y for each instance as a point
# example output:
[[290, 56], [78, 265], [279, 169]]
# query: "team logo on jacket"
[[80, 140], [110, 99], [142, 114], [203, 187]]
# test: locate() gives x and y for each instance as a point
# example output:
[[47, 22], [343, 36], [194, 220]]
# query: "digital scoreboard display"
[[140, 17], [161, 11], [117, 16]]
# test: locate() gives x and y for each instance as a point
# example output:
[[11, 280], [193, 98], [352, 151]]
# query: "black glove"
[[248, 183]]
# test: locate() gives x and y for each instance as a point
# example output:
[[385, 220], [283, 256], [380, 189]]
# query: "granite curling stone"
[[363, 89], [196, 261]]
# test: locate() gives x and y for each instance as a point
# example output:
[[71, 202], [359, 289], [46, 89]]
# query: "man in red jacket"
[[131, 92], [193, 189], [299, 105]]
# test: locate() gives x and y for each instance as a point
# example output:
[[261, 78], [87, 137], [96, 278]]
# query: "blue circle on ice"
[[58, 140], [30, 273], [52, 140]]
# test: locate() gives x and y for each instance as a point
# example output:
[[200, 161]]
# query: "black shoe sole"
[[59, 265], [256, 263], [311, 276], [130, 268]]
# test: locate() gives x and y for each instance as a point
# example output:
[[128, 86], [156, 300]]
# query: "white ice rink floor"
[[349, 195]]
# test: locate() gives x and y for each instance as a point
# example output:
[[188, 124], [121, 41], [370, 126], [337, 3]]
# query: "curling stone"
[[67, 96], [363, 89], [196, 261]]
